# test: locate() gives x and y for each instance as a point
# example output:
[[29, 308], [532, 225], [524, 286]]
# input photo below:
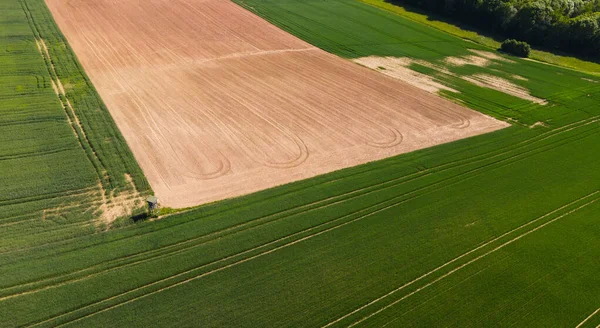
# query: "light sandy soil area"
[[500, 84], [399, 68], [215, 102]]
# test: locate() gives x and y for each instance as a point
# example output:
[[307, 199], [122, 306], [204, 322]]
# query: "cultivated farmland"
[[496, 230], [228, 104], [62, 160]]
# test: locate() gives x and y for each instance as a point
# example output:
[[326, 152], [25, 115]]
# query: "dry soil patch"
[[502, 85], [397, 67], [215, 102]]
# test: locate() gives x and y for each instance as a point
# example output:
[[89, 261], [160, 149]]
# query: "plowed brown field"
[[215, 102]]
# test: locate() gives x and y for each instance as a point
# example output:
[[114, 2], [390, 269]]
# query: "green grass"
[[496, 230], [50, 167], [110, 154]]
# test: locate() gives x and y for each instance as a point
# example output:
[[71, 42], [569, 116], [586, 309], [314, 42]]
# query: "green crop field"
[[61, 155], [495, 230]]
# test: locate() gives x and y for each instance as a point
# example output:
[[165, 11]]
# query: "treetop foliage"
[[517, 48], [569, 25]]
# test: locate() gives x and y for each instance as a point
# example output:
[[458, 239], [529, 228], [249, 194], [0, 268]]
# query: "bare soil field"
[[215, 102]]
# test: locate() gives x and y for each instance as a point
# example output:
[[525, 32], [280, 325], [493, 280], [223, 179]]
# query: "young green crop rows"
[[52, 158], [112, 158], [499, 229], [312, 252]]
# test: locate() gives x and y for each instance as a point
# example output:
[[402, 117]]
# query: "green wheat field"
[[500, 229]]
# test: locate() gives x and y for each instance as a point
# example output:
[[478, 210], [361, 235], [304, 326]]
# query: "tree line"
[[572, 26]]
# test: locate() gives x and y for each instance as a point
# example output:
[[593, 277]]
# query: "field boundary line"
[[476, 259], [588, 318]]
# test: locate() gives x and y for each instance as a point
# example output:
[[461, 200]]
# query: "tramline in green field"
[[496, 230], [58, 164]]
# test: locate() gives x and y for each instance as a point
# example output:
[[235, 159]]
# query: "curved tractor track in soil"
[[215, 102]]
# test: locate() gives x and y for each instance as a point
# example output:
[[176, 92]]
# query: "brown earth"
[[215, 102]]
